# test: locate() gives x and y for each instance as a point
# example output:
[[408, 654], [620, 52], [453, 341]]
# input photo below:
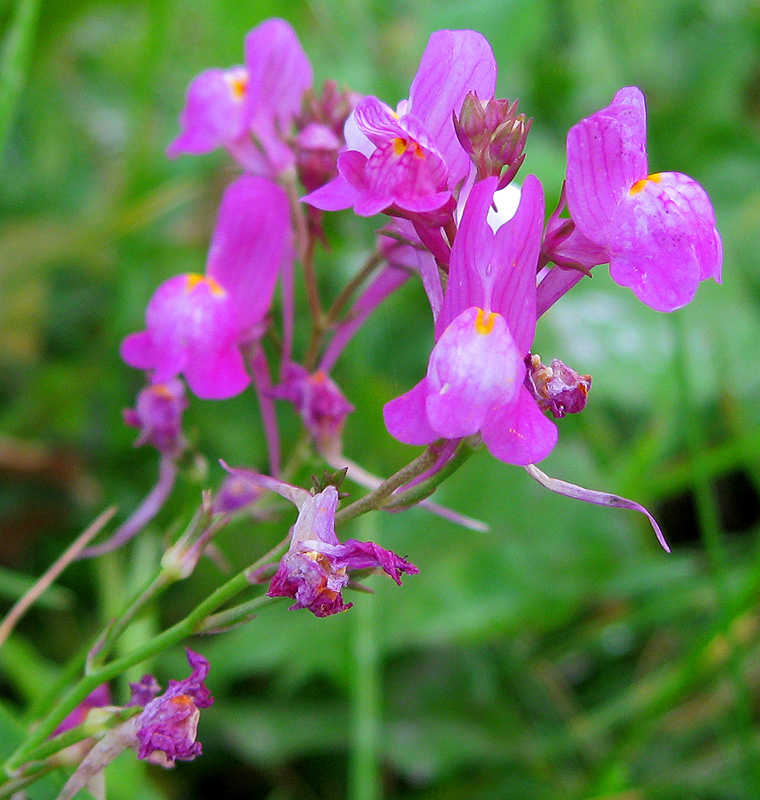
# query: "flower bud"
[[557, 388], [494, 136], [319, 135]]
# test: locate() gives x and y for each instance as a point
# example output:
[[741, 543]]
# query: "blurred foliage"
[[560, 655]]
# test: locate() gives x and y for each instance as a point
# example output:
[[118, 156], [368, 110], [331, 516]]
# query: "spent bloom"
[[409, 161], [196, 324], [158, 416], [318, 400], [249, 109], [658, 230], [168, 725], [315, 569], [475, 374]]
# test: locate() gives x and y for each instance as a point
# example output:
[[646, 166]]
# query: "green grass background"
[[562, 654]]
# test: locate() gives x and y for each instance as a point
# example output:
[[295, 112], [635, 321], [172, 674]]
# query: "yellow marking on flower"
[[181, 700], [655, 177], [193, 279], [484, 322], [162, 390], [399, 146], [318, 377], [237, 80]]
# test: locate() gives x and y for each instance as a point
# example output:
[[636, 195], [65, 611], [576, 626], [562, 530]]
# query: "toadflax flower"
[[168, 725], [658, 230], [196, 324], [475, 375], [409, 161], [248, 109], [315, 569]]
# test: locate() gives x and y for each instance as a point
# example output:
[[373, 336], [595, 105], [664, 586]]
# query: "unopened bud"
[[494, 136]]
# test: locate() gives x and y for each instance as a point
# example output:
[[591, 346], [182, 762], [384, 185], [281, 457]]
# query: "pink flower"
[[197, 323], [410, 160], [658, 229], [475, 375], [226, 108]]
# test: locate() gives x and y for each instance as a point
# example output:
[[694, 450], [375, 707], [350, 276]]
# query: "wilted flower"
[[158, 416], [315, 569], [317, 399], [168, 725], [557, 388]]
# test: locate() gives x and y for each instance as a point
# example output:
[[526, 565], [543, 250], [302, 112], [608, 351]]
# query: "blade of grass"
[[14, 63]]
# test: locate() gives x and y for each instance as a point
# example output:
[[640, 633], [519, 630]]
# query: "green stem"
[[370, 265], [17, 784], [378, 497], [181, 630], [425, 488], [77, 734]]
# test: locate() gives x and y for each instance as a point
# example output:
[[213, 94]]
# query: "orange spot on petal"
[[484, 322], [655, 177]]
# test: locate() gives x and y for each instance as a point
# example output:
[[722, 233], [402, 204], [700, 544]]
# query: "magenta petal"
[[470, 257], [368, 555], [333, 196], [214, 112], [406, 417], [453, 64], [279, 72], [606, 155], [655, 247], [251, 239], [516, 248], [377, 121], [518, 433], [216, 374], [473, 365], [137, 350], [597, 498]]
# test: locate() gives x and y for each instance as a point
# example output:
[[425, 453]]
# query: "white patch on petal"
[[506, 201]]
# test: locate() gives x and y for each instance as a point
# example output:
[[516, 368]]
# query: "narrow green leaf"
[[14, 62]]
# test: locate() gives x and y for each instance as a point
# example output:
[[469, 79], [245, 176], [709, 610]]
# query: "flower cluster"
[[441, 166]]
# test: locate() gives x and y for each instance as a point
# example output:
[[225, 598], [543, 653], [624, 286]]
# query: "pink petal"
[[453, 64], [515, 261], [655, 246], [251, 240], [137, 350], [216, 374], [518, 433], [333, 196], [406, 417], [606, 155], [473, 365], [377, 121], [592, 496], [279, 72], [213, 114], [470, 257]]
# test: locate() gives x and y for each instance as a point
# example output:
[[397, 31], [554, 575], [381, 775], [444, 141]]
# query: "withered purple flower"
[[168, 725]]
